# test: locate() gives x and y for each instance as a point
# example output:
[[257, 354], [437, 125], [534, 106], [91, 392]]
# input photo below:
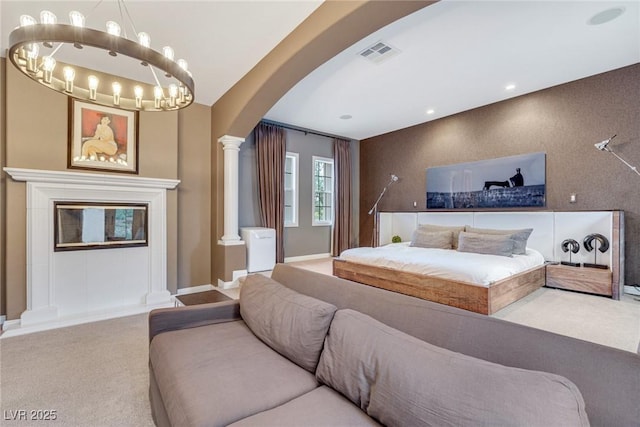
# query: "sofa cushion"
[[293, 324], [320, 407], [217, 374], [400, 380]]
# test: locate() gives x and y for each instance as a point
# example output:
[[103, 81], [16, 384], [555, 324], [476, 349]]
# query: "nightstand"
[[591, 280]]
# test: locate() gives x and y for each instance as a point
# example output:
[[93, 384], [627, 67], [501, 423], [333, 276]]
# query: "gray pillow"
[[519, 237], [432, 239], [402, 381], [454, 229], [292, 324], [488, 244]]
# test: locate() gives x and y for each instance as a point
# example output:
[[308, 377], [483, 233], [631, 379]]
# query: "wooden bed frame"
[[465, 295]]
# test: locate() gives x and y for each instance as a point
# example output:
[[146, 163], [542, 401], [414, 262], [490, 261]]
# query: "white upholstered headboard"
[[550, 228]]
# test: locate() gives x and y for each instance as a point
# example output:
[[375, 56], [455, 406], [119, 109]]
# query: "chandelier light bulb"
[[168, 52], [32, 58], [47, 17], [181, 94], [113, 28], [144, 39], [183, 64], [69, 74], [93, 87], [158, 94], [173, 94], [138, 91], [76, 18], [116, 93], [48, 65], [26, 20]]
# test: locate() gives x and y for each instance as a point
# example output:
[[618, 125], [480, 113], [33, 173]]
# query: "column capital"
[[230, 142]]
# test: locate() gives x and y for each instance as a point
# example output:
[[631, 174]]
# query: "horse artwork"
[[489, 183]]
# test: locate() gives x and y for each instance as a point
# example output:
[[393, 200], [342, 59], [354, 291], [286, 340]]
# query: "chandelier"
[[33, 46]]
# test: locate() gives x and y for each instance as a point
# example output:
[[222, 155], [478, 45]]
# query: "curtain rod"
[[305, 131]]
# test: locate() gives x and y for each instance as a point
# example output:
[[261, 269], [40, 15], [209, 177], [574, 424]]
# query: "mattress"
[[450, 264]]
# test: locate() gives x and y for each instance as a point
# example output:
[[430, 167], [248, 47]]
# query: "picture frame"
[[502, 183], [102, 138]]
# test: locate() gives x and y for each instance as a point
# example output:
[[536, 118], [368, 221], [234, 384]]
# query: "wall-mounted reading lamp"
[[604, 146]]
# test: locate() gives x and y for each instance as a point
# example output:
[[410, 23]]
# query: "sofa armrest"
[[171, 319]]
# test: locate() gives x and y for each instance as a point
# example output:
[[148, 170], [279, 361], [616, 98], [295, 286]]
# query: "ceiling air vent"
[[379, 52]]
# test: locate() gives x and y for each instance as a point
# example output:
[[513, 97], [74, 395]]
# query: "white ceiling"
[[459, 55], [455, 55]]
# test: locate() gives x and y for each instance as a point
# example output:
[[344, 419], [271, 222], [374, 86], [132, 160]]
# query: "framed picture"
[[102, 138], [506, 182]]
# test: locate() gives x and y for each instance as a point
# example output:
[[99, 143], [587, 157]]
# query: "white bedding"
[[446, 263]]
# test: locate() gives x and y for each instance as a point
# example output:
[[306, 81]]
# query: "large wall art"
[[506, 182]]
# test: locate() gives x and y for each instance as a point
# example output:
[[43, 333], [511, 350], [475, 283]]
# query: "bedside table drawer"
[[583, 279]]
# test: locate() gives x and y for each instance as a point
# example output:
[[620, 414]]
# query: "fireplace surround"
[[76, 286]]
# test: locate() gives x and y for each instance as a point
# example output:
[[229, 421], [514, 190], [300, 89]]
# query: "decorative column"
[[231, 147]]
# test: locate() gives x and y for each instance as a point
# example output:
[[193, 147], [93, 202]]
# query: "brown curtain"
[[342, 196], [270, 155]]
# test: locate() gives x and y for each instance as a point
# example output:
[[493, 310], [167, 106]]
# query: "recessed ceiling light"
[[430, 111], [510, 86], [606, 16], [346, 116]]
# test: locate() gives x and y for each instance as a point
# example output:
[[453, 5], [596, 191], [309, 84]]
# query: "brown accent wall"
[[563, 121], [36, 138]]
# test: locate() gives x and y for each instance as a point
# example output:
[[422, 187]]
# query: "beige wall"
[[36, 138], [564, 122], [194, 196]]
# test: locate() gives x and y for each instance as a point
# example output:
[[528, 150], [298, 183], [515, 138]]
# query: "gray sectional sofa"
[[304, 349]]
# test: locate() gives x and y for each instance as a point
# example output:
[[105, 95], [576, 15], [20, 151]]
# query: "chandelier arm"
[[126, 10]]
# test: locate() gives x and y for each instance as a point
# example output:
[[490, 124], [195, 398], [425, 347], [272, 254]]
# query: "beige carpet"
[[93, 374], [96, 374]]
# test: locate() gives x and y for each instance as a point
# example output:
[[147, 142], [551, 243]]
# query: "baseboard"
[[193, 289], [306, 257], [631, 290]]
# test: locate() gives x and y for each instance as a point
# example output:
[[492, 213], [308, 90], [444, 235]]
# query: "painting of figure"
[[102, 138]]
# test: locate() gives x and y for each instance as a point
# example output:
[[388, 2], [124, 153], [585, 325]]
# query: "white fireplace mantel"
[[86, 283]]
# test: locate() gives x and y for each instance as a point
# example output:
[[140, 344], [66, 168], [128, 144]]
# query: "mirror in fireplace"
[[81, 226]]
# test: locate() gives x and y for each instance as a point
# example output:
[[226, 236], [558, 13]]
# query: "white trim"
[[234, 280], [307, 257], [231, 242], [14, 328], [194, 289], [631, 290], [3, 319], [296, 184], [314, 222], [58, 177]]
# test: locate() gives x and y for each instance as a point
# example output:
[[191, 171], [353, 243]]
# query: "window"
[[291, 190], [322, 191]]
